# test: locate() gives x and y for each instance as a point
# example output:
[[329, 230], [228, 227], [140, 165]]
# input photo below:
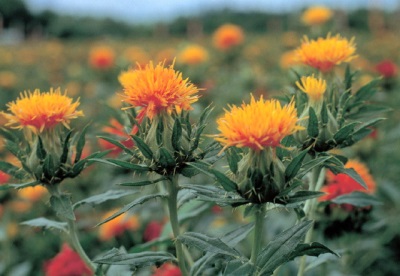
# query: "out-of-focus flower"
[[118, 225], [102, 57], [257, 125], [156, 90], [4, 177], [342, 184], [152, 231], [325, 53], [136, 55], [167, 269], [228, 36], [42, 111], [316, 15], [117, 130], [7, 79], [313, 87], [32, 194], [67, 263], [387, 69], [192, 55], [288, 59]]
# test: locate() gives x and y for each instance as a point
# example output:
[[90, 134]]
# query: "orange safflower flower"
[[192, 55], [42, 111], [32, 194], [167, 269], [157, 89], [325, 53], [342, 184], [313, 87], [257, 125], [228, 36], [101, 57], [317, 15], [118, 225]]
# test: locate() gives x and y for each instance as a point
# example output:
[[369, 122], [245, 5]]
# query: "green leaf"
[[40, 151], [49, 168], [15, 149], [312, 128], [162, 241], [358, 199], [294, 166], [225, 182], [350, 172], [122, 164], [98, 199], [12, 170], [117, 143], [369, 110], [207, 244], [367, 91], [166, 160], [348, 78], [137, 260], [143, 147], [176, 135], [129, 206], [80, 144], [239, 268], [310, 249], [233, 158], [324, 114], [62, 205], [66, 143], [8, 135], [142, 183], [301, 196], [344, 132], [279, 250], [26, 184], [46, 223]]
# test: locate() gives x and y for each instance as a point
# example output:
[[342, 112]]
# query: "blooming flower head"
[[192, 55], [42, 111], [228, 36], [117, 226], [101, 57], [117, 130], [387, 68], [67, 263], [257, 125], [325, 53], [316, 15], [157, 89], [342, 184], [167, 269], [313, 87]]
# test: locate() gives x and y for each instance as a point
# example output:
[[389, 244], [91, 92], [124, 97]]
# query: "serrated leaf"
[[176, 135], [278, 251], [62, 205], [207, 244], [239, 268], [225, 182], [46, 223], [80, 144], [122, 164], [301, 196], [117, 144], [233, 158], [294, 166], [137, 260], [66, 145], [312, 128], [310, 249], [344, 132], [98, 199], [358, 199], [143, 147], [166, 160], [142, 183], [12, 170], [26, 184], [129, 206]]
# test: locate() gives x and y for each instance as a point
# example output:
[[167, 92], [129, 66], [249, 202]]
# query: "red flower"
[[67, 263], [4, 177], [387, 68], [167, 270], [152, 231]]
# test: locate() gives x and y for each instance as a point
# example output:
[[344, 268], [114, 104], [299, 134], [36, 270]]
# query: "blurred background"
[[83, 45]]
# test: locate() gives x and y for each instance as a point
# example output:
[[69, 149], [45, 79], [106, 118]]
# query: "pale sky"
[[161, 10]]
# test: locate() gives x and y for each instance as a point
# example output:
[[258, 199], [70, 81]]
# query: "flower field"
[[223, 153]]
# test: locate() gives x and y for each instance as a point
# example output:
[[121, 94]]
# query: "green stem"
[[316, 182], [258, 233], [173, 216], [77, 245]]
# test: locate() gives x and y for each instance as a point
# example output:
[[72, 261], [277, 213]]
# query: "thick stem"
[[258, 233], [316, 182], [77, 245], [173, 216]]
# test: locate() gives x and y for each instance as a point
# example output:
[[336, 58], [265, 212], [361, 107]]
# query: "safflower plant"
[[276, 153]]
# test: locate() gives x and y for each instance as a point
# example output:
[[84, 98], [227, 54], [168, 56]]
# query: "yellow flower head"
[[257, 125], [228, 36], [313, 87], [193, 54], [42, 111], [324, 53], [317, 15], [157, 89]]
